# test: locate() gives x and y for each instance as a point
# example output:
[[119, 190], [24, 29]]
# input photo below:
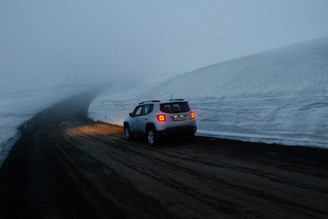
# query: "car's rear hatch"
[[177, 113]]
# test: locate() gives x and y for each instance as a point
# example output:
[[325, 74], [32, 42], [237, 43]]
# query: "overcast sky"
[[50, 42]]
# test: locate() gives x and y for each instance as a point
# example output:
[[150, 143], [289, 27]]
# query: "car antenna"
[[171, 97]]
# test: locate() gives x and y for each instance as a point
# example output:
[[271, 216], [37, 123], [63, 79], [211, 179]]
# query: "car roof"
[[158, 101]]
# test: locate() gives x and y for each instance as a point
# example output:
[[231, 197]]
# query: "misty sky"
[[58, 41]]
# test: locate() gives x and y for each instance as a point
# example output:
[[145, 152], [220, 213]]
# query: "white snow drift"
[[277, 96]]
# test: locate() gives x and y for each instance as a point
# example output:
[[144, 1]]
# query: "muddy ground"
[[67, 166]]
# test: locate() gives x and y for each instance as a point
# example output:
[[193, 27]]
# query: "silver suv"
[[155, 119]]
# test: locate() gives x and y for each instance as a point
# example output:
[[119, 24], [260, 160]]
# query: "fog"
[[51, 43]]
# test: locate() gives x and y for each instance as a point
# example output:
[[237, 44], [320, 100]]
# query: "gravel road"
[[67, 166]]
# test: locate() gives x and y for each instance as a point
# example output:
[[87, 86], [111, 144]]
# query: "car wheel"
[[127, 133], [152, 137]]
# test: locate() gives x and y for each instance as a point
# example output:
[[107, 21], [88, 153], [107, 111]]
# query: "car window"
[[174, 107], [137, 111], [147, 109]]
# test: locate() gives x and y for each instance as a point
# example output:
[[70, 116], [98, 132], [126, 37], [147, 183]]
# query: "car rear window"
[[174, 107]]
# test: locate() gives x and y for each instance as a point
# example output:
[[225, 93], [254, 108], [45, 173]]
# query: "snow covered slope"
[[277, 96]]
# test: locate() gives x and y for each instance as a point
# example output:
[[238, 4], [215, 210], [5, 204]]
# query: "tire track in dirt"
[[189, 176]]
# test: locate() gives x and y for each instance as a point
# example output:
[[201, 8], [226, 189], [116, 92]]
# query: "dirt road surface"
[[67, 166]]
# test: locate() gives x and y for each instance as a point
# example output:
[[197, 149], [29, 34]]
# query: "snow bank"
[[277, 96]]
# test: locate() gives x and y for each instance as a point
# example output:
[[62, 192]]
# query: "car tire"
[[152, 137], [127, 133]]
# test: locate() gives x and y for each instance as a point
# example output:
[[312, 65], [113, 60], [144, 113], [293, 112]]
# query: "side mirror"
[[131, 114]]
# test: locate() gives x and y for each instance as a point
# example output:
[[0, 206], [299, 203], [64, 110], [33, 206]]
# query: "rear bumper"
[[181, 130]]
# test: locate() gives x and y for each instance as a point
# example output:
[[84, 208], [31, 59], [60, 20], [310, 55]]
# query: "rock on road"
[[67, 166]]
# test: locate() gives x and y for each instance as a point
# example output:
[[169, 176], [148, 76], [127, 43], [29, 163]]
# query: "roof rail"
[[177, 100], [152, 101]]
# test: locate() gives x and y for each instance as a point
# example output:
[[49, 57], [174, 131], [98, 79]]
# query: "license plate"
[[179, 118]]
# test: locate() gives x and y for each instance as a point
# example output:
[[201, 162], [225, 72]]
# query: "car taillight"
[[161, 117], [192, 115]]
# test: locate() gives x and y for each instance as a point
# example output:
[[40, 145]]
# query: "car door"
[[143, 118], [134, 122]]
